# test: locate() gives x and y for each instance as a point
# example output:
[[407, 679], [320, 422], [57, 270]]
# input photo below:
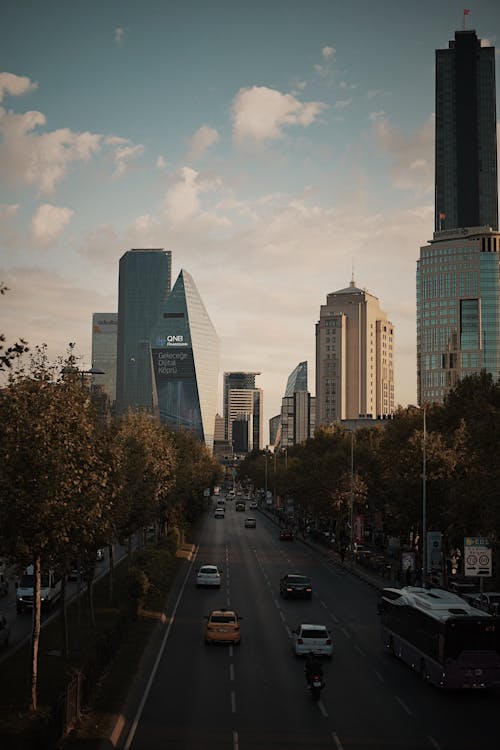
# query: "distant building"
[[143, 288], [246, 404], [297, 409], [185, 359], [466, 141], [219, 428], [104, 345], [238, 381], [354, 358], [274, 429]]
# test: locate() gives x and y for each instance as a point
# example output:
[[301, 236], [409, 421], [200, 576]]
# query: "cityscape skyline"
[[270, 177]]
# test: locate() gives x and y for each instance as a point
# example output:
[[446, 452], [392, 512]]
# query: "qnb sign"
[[176, 341]]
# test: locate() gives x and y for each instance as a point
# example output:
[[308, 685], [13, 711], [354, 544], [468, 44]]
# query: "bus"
[[451, 644]]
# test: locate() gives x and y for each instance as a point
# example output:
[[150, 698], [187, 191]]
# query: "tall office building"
[[185, 357], [245, 406], [458, 287], [354, 358], [235, 380], [297, 409], [104, 342], [143, 288], [466, 148]]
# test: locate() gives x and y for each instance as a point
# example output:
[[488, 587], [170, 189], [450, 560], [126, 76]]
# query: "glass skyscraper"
[[458, 273], [185, 357], [104, 338], [144, 285], [235, 381], [466, 145]]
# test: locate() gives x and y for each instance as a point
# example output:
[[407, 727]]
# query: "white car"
[[208, 575], [309, 638], [219, 513], [253, 505]]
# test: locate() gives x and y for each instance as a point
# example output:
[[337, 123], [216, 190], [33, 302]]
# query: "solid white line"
[[322, 709], [346, 632], [434, 743], [233, 701], [403, 705], [231, 672], [171, 619], [235, 741], [337, 741]]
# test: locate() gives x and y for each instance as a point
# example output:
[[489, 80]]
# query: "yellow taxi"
[[223, 626]]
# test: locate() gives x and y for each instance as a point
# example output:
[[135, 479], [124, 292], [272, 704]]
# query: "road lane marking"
[[233, 701], [322, 709], [231, 672], [379, 676], [360, 651], [288, 631], [231, 651], [403, 705], [337, 741], [434, 743], [323, 603], [235, 741], [282, 615], [335, 619], [346, 632]]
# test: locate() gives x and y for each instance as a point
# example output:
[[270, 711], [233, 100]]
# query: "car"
[[253, 505], [286, 535], [488, 601], [223, 626], [99, 555], [219, 513], [4, 631], [295, 585], [240, 506], [208, 575], [250, 523], [309, 638]]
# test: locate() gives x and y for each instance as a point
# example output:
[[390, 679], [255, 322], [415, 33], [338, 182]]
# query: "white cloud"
[[201, 141], [411, 155], [260, 113], [160, 162], [15, 85], [328, 52], [123, 152], [8, 210], [49, 222], [343, 103], [119, 36]]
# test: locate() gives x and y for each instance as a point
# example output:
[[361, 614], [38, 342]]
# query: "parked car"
[[316, 639], [4, 631], [295, 585], [250, 523], [223, 626], [208, 575], [488, 601]]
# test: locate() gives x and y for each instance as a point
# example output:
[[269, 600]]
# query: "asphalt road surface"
[[253, 696]]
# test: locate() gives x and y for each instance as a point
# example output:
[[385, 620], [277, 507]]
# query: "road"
[[253, 696]]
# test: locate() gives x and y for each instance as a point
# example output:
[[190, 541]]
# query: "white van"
[[50, 591]]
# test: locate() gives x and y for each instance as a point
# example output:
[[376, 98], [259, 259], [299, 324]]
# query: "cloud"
[[182, 201], [15, 85], [49, 222], [201, 141], [343, 103], [160, 162], [42, 160], [120, 36], [123, 152], [8, 210], [260, 113], [411, 155], [328, 52]]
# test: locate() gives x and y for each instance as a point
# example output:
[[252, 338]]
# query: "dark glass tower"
[[466, 192], [143, 288], [185, 355]]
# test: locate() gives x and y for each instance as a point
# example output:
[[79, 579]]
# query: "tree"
[[7, 356]]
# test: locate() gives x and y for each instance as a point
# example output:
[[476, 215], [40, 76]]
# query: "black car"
[[286, 535], [295, 585]]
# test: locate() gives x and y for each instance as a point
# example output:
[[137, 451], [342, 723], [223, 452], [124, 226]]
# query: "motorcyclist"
[[313, 667]]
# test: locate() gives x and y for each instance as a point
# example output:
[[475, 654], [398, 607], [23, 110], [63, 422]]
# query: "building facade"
[[298, 414], [143, 288], [354, 358], [235, 381], [104, 346], [466, 178], [245, 407], [185, 362], [458, 309]]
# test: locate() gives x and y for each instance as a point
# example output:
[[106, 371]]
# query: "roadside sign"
[[477, 556]]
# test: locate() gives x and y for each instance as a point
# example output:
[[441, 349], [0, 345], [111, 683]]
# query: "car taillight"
[[299, 640], [289, 589], [309, 589]]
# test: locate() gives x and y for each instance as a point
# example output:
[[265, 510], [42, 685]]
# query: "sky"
[[278, 148]]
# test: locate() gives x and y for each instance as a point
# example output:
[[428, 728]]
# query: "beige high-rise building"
[[354, 358], [246, 403]]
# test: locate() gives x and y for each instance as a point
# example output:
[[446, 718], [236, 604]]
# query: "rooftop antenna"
[[353, 283], [466, 13]]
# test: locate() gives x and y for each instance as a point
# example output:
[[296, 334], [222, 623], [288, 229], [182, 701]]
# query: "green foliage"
[[137, 587], [174, 539]]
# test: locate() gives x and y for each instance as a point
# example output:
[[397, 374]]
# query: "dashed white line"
[[231, 651], [346, 632], [323, 603], [335, 619], [282, 615], [403, 705], [288, 631], [337, 741], [233, 701], [323, 709], [379, 676], [235, 741], [434, 743], [277, 604], [231, 672], [360, 651]]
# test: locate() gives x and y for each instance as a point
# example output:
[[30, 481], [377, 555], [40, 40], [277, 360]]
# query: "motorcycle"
[[316, 685]]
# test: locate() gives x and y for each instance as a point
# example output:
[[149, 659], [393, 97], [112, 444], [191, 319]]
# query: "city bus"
[[451, 644]]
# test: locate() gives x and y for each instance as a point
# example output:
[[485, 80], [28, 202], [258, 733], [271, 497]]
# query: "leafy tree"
[[7, 356]]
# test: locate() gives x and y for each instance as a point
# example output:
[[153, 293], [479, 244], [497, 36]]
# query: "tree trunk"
[[111, 574], [35, 636], [64, 614]]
